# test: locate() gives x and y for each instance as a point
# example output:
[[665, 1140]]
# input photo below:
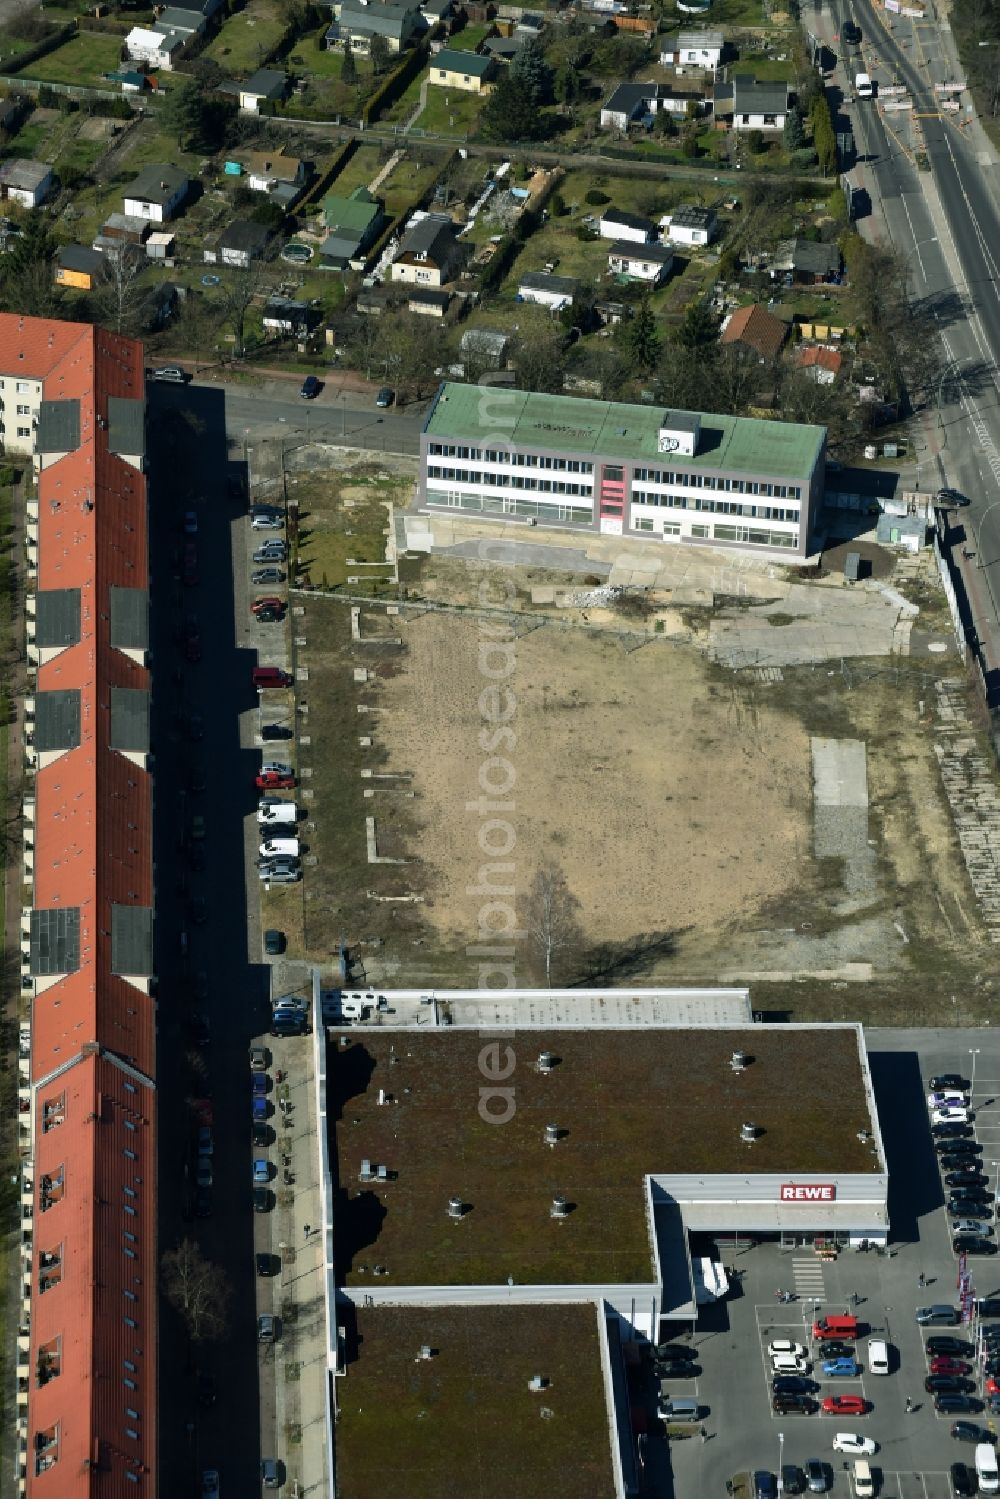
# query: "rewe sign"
[[789, 1192]]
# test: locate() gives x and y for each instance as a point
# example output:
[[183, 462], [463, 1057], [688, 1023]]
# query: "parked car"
[[965, 1178], [818, 1475], [270, 779], [844, 1405], [789, 1363], [385, 397], [673, 1353], [190, 571], [263, 1199], [272, 550], [266, 520], [841, 1368], [957, 1405], [942, 1343], [792, 1405], [793, 1480], [792, 1384], [206, 1144], [951, 1130], [837, 1349], [958, 1163], [948, 1080], [311, 388], [203, 1171], [274, 942], [210, 1488], [272, 732], [785, 1345], [268, 1328], [267, 1264], [973, 1244], [764, 1485], [261, 1171], [948, 1384], [946, 1363], [938, 1315], [952, 497], [280, 875], [169, 374], [963, 1481], [260, 1058], [262, 575], [958, 1147], [946, 1098], [854, 1445], [989, 1306], [952, 1114], [968, 1431], [851, 33]]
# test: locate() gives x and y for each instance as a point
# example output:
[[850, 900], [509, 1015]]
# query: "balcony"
[[51, 1190], [49, 1270], [46, 1449], [49, 1362]]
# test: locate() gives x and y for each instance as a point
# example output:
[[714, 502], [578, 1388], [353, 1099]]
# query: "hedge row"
[[42, 49], [328, 175], [395, 84]]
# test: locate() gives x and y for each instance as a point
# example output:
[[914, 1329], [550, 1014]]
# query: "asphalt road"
[[251, 413], [947, 223], [190, 468]]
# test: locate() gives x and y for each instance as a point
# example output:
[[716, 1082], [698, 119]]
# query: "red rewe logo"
[[789, 1192]]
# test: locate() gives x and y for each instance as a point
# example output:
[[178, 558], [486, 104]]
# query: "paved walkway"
[[812, 624], [972, 795]]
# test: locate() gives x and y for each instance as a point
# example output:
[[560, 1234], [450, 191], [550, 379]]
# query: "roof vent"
[[426, 1351], [538, 1382], [546, 1061], [456, 1207], [559, 1208], [748, 1133], [739, 1061], [553, 1134]]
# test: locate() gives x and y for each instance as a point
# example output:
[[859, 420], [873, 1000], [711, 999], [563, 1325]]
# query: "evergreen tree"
[[566, 85], [379, 53], [510, 113], [794, 134], [641, 342], [533, 72], [700, 327], [349, 68]]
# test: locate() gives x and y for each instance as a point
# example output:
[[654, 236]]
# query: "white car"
[[783, 1345], [789, 1363], [948, 1098], [950, 1115], [854, 1444]]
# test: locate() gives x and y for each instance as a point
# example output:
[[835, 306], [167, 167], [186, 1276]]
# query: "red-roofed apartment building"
[[73, 396]]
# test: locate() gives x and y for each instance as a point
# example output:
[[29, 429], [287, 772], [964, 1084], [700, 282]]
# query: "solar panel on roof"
[[55, 941]]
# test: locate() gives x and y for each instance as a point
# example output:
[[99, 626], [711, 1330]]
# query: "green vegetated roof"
[[465, 1420], [628, 1103], [611, 429], [349, 213]]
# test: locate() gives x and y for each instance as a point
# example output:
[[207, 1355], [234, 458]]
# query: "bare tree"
[[552, 923], [238, 291], [118, 293], [197, 1289]]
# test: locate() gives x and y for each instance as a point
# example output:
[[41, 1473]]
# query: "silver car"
[[971, 1226]]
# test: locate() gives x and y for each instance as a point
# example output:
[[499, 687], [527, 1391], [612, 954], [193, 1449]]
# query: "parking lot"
[[883, 1290]]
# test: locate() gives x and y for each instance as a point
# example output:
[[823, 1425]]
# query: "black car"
[[206, 1389], [270, 616], [958, 1147], [792, 1405], [263, 1199], [792, 1384], [202, 1202], [968, 1431], [947, 1384], [274, 731], [944, 1343], [818, 1476], [267, 1265], [274, 942], [952, 497], [957, 1163], [311, 388], [957, 1405], [764, 1485], [963, 1481], [673, 1353], [951, 1131], [793, 1480], [852, 33], [833, 1349], [945, 1081], [970, 1193], [989, 1306], [972, 1244], [965, 1178], [263, 1134]]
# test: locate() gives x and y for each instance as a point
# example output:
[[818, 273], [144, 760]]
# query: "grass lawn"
[[245, 39], [84, 60], [766, 69], [407, 182], [468, 39], [362, 168], [450, 111], [326, 93], [405, 105]]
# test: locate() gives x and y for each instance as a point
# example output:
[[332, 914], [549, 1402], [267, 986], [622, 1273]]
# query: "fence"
[[42, 49]]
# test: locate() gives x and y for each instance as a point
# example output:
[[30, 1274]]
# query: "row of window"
[[504, 455], [21, 431], [507, 481], [716, 481], [496, 504], [22, 410], [717, 507], [748, 536]]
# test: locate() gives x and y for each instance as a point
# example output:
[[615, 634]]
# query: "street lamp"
[[974, 1052], [781, 1450]]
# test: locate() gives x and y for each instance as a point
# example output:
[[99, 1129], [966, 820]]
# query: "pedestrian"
[[921, 1280], [704, 1435], [306, 1230], [909, 1404]]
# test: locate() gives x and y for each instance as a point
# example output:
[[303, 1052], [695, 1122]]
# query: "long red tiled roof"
[[92, 1423]]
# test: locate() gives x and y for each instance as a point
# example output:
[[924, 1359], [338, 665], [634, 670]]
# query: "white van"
[[864, 1483], [878, 1356], [275, 811], [272, 846], [863, 86], [986, 1469]]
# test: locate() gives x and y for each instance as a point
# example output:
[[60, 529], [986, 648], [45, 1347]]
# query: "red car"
[[992, 1385], [269, 601], [268, 781], [190, 569], [944, 1365], [844, 1405]]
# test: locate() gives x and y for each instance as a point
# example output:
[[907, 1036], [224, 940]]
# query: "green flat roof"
[[611, 429]]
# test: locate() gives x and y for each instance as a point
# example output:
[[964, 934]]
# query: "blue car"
[[258, 1084], [259, 1110], [837, 1368]]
